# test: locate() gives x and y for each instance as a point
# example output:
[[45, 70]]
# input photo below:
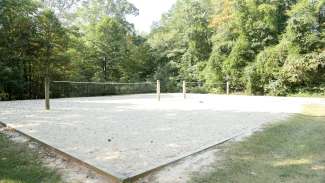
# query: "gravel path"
[[128, 135]]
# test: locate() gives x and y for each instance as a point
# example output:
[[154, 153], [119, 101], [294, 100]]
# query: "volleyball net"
[[67, 89], [70, 89], [204, 87]]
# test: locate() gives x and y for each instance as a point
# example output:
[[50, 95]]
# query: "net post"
[[47, 93], [227, 87], [184, 89], [158, 90]]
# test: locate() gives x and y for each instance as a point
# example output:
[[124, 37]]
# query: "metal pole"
[[47, 92], [227, 87], [184, 89], [87, 90], [158, 90]]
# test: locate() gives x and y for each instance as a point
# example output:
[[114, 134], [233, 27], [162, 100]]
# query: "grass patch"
[[20, 164], [291, 152]]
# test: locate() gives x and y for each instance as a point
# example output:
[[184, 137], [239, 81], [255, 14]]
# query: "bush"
[[4, 96], [304, 70], [266, 69], [218, 90], [276, 88]]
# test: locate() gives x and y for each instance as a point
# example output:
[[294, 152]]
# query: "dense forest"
[[262, 47]]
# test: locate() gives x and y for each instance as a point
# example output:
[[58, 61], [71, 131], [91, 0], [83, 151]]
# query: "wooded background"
[[264, 47]]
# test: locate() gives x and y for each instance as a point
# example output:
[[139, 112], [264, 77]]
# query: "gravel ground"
[[128, 135]]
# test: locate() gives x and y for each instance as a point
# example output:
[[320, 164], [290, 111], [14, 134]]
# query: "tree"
[[52, 42], [183, 40], [92, 11], [109, 43], [17, 31], [297, 61], [262, 46]]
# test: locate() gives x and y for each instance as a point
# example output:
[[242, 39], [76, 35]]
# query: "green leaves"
[[110, 47], [32, 40], [95, 43], [17, 30], [265, 47], [93, 11], [304, 70], [184, 38], [303, 29], [263, 50]]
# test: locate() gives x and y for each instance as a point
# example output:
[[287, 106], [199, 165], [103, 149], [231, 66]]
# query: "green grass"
[[20, 164], [291, 152], [320, 94]]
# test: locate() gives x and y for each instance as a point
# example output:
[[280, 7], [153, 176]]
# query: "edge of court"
[[110, 177], [120, 179]]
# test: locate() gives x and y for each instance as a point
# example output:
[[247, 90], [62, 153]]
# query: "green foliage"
[[52, 41], [107, 48], [17, 31], [260, 46], [257, 22], [108, 41], [93, 11], [262, 74], [33, 42], [141, 63], [183, 40], [235, 63], [95, 43], [276, 47], [304, 71], [303, 29]]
